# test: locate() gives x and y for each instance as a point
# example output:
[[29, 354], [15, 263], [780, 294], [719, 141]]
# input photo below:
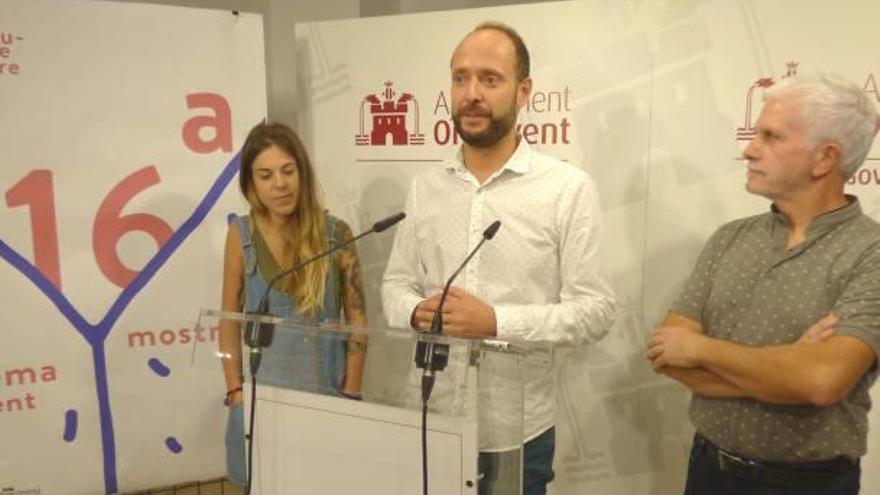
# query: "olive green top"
[[269, 266]]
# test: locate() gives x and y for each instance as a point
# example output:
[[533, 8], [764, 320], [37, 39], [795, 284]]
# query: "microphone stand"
[[258, 335], [432, 357]]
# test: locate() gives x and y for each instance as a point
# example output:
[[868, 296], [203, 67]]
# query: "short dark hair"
[[523, 61]]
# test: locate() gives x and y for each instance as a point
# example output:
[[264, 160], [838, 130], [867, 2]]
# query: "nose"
[[473, 91], [278, 181], [750, 153]]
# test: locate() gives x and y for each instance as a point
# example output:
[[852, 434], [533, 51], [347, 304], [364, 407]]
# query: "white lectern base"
[[320, 445]]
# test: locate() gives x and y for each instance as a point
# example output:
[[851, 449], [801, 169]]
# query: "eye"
[[769, 136]]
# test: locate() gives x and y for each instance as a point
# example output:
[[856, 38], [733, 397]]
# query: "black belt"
[[812, 474]]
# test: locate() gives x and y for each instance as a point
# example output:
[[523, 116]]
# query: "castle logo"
[[389, 118], [747, 131]]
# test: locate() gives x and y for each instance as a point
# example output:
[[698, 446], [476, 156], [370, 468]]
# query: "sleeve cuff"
[[865, 336], [407, 307], [508, 322]]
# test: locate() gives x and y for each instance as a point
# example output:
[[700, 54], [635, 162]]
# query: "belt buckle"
[[728, 461]]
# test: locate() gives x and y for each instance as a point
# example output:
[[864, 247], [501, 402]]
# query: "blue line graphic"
[[158, 367], [96, 334], [70, 425], [173, 445]]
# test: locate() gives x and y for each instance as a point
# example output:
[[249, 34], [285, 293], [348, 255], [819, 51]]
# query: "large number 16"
[[36, 191]]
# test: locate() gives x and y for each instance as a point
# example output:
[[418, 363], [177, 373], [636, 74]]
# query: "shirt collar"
[[826, 221], [520, 162]]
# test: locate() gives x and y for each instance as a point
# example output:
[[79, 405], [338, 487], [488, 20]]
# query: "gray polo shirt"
[[746, 288]]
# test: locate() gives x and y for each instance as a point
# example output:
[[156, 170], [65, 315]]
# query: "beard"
[[499, 125]]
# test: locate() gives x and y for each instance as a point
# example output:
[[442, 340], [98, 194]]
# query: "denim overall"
[[293, 360]]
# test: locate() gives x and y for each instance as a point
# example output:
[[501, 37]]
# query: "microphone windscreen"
[[491, 230], [388, 222]]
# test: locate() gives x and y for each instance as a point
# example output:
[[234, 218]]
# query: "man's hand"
[[424, 313], [463, 315], [821, 331], [674, 346]]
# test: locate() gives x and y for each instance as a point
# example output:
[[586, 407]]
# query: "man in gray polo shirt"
[[777, 330]]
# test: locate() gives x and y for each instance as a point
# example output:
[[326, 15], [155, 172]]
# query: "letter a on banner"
[[221, 122]]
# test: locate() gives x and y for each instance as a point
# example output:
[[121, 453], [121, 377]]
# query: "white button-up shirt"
[[540, 272]]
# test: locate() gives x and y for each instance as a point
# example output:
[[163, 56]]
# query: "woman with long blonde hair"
[[287, 225]]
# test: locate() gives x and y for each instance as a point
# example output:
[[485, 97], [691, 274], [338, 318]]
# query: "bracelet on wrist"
[[230, 393]]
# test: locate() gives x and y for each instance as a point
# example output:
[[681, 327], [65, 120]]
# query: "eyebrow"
[[284, 165], [480, 71]]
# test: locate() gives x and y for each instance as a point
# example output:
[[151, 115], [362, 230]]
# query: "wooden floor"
[[219, 486]]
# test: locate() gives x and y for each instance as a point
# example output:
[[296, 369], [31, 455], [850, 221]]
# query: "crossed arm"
[[819, 369]]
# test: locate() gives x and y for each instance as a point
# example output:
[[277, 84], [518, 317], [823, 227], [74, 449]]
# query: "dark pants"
[[500, 470], [706, 476]]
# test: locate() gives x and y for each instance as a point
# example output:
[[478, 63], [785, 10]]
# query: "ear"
[[827, 160], [523, 92]]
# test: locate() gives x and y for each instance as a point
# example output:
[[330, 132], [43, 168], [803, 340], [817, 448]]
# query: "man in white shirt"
[[538, 280]]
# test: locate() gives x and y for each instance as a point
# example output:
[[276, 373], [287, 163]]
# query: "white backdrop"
[[656, 100], [120, 125], [110, 148]]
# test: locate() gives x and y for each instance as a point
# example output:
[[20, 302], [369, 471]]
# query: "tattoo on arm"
[[350, 279]]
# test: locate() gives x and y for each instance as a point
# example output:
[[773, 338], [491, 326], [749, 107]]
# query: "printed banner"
[[121, 127]]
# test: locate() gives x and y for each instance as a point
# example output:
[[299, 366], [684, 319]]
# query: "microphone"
[[488, 234], [433, 357], [259, 335], [385, 223]]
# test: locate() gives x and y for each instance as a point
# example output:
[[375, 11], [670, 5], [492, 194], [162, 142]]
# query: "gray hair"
[[834, 110]]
